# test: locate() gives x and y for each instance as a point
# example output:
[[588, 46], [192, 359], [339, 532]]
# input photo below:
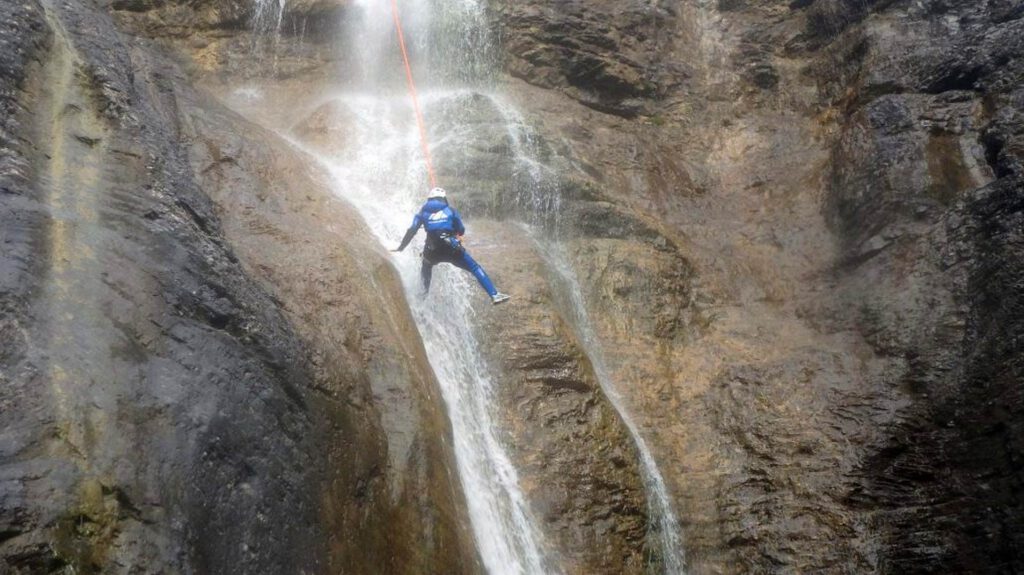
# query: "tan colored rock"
[[576, 462], [335, 284], [797, 414], [206, 365], [325, 129], [815, 405]]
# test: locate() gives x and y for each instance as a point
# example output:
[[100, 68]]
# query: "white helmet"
[[437, 193]]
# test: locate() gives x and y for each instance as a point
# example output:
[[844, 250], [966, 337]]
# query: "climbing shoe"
[[499, 298]]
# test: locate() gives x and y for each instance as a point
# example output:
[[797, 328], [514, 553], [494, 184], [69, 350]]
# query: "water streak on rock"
[[385, 197], [541, 197]]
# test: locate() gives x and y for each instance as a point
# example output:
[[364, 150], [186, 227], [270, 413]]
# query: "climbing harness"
[[412, 94]]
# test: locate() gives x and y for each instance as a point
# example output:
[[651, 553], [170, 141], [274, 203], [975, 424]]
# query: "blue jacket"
[[438, 218]]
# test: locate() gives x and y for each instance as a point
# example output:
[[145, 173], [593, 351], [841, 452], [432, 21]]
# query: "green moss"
[[83, 535]]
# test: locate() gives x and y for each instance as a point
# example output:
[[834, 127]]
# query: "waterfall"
[[386, 188], [658, 501], [381, 173], [267, 16], [383, 176], [538, 198], [541, 199]]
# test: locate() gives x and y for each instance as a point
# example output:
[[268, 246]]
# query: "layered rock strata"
[[842, 178]]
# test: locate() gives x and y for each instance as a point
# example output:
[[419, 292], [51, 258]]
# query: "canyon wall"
[[203, 369], [797, 231], [831, 374]]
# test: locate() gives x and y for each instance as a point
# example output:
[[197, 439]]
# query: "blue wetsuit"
[[444, 225]]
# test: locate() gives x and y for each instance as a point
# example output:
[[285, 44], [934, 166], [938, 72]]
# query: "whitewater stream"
[[382, 174]]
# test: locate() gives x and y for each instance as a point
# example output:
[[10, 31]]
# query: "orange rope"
[[412, 94]]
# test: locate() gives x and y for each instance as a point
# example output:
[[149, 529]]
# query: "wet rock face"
[[796, 226], [475, 153], [841, 181], [946, 479], [607, 55], [931, 152], [343, 298], [576, 462], [134, 431], [921, 128], [242, 40], [926, 228], [172, 398], [325, 130]]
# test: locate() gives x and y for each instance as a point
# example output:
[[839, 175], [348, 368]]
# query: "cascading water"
[[660, 505], [542, 200], [267, 16], [386, 198], [383, 177], [381, 174]]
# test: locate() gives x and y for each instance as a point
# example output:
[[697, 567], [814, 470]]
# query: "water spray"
[[412, 94]]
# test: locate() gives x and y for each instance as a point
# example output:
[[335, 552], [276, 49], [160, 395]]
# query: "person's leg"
[[426, 271], [466, 262]]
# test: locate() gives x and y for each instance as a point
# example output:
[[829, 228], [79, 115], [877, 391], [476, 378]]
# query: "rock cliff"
[[176, 399], [832, 374], [796, 230]]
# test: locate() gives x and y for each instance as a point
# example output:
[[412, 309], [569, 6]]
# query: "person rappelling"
[[443, 224], [444, 243]]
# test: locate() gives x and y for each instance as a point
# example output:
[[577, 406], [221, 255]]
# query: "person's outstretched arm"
[[415, 227]]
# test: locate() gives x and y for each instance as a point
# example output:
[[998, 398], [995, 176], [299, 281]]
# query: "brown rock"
[[326, 129], [182, 389], [576, 462], [337, 287]]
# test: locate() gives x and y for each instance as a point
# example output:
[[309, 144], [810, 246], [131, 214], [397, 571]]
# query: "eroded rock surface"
[[825, 173], [576, 463], [608, 55], [175, 398], [925, 247], [796, 228]]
